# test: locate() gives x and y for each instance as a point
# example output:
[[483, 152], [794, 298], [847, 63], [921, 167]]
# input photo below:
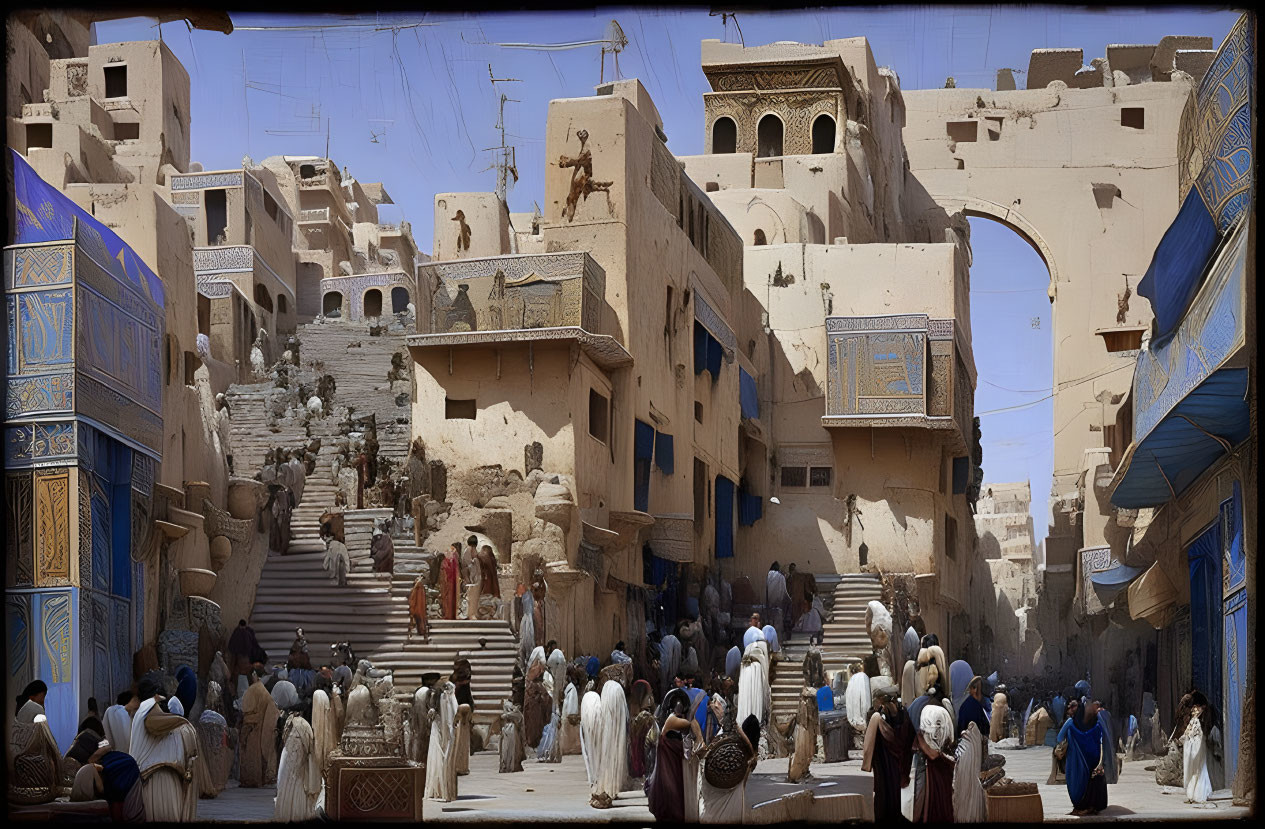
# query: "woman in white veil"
[[441, 756]]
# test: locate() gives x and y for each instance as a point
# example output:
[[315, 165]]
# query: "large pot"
[[195, 581]]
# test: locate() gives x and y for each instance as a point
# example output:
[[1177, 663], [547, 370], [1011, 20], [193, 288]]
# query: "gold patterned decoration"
[[52, 523], [797, 110]]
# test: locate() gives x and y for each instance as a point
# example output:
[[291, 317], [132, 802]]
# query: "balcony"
[[898, 371]]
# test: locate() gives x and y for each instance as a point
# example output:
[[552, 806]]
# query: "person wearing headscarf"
[[960, 675], [728, 805], [186, 687], [770, 636], [417, 610], [441, 755], [122, 788], [537, 700], [299, 776], [244, 651], [449, 580], [490, 580], [667, 791], [733, 661], [753, 633], [87, 781], [640, 749], [1058, 757], [1195, 777], [175, 706], [118, 720], [610, 754], [969, 803], [777, 599], [669, 660], [213, 750], [1087, 750], [30, 703], [285, 695], [618, 657], [512, 750], [460, 678], [1058, 707], [258, 757], [569, 729], [166, 750], [971, 710], [888, 742], [934, 738], [755, 695], [324, 740]]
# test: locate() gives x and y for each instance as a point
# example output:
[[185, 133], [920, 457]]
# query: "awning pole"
[[1162, 475], [1225, 444]]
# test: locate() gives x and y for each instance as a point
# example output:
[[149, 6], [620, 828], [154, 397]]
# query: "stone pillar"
[[560, 621]]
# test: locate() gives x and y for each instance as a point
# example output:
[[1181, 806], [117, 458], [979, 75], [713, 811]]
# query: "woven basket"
[[726, 763], [1019, 808]]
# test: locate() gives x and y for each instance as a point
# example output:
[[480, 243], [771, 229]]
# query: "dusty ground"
[[560, 793]]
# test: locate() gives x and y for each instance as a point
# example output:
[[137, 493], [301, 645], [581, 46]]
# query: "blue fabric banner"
[[724, 517], [748, 397], [1204, 555], [44, 214], [1177, 268], [750, 509]]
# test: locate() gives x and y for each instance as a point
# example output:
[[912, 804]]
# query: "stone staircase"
[[252, 430], [845, 638], [788, 673]]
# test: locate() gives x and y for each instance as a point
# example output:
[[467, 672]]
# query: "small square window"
[[795, 476], [116, 81], [819, 476], [698, 411], [962, 131], [458, 409], [1133, 117], [39, 136], [599, 415]]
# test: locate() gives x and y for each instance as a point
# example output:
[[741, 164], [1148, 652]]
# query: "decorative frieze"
[[203, 181]]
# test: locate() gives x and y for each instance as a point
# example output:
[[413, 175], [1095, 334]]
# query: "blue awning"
[[1177, 268], [1181, 447], [748, 397], [1111, 581]]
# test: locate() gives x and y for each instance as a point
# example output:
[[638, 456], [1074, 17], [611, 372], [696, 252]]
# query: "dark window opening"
[[332, 305], [281, 303], [963, 131], [795, 476], [115, 81], [690, 225], [458, 409], [823, 135], [819, 476], [724, 136], [950, 536], [667, 314], [760, 238], [270, 206], [680, 210], [204, 315], [1133, 117], [373, 303], [307, 171], [216, 216], [599, 415], [169, 359], [769, 136], [399, 300], [701, 485], [262, 299], [698, 411], [191, 366], [39, 136], [863, 554], [127, 132]]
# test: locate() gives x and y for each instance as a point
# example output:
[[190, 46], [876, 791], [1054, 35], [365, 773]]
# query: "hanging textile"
[[748, 397], [663, 457], [750, 509], [1204, 555], [643, 453], [724, 517]]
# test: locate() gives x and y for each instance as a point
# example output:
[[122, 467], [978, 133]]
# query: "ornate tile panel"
[[52, 527]]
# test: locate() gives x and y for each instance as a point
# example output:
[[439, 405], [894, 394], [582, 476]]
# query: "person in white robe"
[[770, 636], [857, 701], [118, 724], [611, 745], [969, 802], [755, 697], [590, 726], [570, 733], [441, 755], [754, 633], [557, 665], [527, 628], [165, 747], [298, 776], [324, 740], [419, 722], [777, 599], [1195, 760]]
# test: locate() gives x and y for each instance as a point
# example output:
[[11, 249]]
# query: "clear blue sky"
[[414, 108]]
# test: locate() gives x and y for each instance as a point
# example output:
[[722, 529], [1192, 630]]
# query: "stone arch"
[[371, 303], [823, 134], [332, 302], [724, 135], [262, 298], [1008, 216], [770, 136], [399, 299]]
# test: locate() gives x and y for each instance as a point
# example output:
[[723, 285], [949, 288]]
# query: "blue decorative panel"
[[1235, 679], [876, 366], [44, 394], [40, 444], [121, 645], [18, 654], [100, 539], [45, 326], [1222, 140], [40, 267], [1232, 541], [54, 654]]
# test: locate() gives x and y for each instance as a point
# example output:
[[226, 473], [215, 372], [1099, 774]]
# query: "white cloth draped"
[[612, 741], [590, 724], [857, 700], [441, 756], [770, 636], [936, 726], [969, 803], [284, 694], [298, 776], [754, 694], [618, 657], [323, 738], [175, 706], [557, 664], [169, 795], [118, 728], [1195, 763], [752, 634], [775, 589], [527, 627], [570, 734]]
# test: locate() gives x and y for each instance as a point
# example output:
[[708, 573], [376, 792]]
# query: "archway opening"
[[399, 300], [373, 303], [281, 303], [724, 136], [760, 238], [332, 304], [823, 134], [262, 299], [769, 136]]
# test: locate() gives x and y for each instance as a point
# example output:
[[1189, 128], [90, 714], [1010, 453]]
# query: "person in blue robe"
[[186, 687], [1057, 707], [1110, 769], [1087, 752], [973, 710]]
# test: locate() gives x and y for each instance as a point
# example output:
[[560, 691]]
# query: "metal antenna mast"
[[505, 157]]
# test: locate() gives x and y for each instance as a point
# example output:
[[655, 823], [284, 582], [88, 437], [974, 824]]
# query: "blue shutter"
[[750, 509], [663, 453], [748, 398], [643, 452], [724, 517]]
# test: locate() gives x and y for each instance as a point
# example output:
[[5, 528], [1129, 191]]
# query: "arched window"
[[399, 300], [769, 136], [332, 305], [724, 135], [760, 238], [262, 299], [823, 134], [373, 303]]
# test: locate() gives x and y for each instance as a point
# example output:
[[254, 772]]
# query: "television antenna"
[[725, 17], [505, 156], [614, 43]]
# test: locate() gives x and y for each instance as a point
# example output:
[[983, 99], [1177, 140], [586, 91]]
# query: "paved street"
[[559, 794]]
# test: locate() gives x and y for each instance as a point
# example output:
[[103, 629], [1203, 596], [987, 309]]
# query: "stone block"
[[176, 648], [533, 457], [1048, 65]]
